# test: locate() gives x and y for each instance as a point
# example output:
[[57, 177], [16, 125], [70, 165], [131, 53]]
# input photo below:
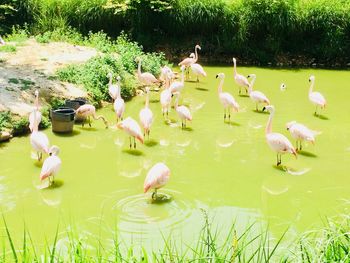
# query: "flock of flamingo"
[[159, 174]]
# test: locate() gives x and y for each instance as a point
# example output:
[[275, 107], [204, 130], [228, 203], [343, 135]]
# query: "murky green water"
[[227, 169]]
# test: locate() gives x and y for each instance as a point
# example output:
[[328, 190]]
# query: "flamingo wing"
[[51, 166]]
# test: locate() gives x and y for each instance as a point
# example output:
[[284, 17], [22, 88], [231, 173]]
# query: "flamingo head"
[[283, 87], [109, 75], [54, 150], [120, 125], [140, 138], [36, 93], [290, 124], [312, 78], [251, 76], [234, 60], [192, 55], [220, 75], [269, 108], [138, 59], [118, 78], [198, 46], [182, 68]]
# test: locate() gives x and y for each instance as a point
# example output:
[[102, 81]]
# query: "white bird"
[[241, 81], [119, 105], [283, 87], [37, 113], [157, 177], [315, 97], [146, 115], [39, 140], [198, 70], [187, 62], [165, 97], [177, 86], [256, 96], [164, 72], [277, 142], [113, 89], [132, 128], [183, 112], [145, 78], [88, 111], [301, 133], [226, 98], [51, 165]]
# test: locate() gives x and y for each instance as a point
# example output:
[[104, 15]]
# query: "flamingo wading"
[[301, 133], [145, 78], [132, 128], [157, 177], [119, 105], [146, 115], [240, 80], [39, 140], [256, 96], [36, 112], [51, 165], [88, 111], [183, 112], [315, 97]]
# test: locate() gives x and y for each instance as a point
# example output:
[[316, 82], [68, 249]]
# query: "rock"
[[5, 136]]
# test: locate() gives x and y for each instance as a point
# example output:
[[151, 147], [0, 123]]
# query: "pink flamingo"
[[131, 127], [187, 62], [39, 140], [256, 96], [157, 177], [241, 81], [226, 98], [301, 133], [165, 96], [164, 72], [51, 165], [36, 112], [277, 142], [145, 78], [113, 89], [88, 111], [315, 97], [198, 70], [183, 112], [119, 105], [177, 86], [146, 115]]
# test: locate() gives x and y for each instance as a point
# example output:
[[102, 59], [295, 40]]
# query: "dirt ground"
[[32, 67]]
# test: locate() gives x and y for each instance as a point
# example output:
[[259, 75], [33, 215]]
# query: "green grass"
[[8, 48]]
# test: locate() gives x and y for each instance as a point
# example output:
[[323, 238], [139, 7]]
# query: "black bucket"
[[75, 104], [62, 120]]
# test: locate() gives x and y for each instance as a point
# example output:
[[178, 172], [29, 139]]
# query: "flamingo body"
[[146, 115], [51, 165], [132, 128], [40, 143], [240, 80], [157, 177], [33, 115], [198, 70]]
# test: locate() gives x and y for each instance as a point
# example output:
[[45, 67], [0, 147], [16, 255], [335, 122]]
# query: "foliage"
[[5, 120], [8, 48]]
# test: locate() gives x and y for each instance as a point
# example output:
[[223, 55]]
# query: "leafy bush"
[[20, 126], [5, 120], [8, 48]]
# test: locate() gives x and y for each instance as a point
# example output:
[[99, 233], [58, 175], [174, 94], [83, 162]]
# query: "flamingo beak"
[[263, 109], [217, 76], [50, 154]]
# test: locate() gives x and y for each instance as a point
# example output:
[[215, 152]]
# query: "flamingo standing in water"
[[119, 105], [157, 177], [165, 96], [39, 140], [146, 115], [131, 127], [177, 86], [51, 165], [36, 112], [164, 72], [145, 78], [88, 111], [183, 112], [226, 98], [256, 96], [113, 89], [198, 70], [316, 98], [187, 62], [301, 133], [241, 81], [277, 142]]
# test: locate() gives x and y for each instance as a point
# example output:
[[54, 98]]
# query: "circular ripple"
[[139, 215]]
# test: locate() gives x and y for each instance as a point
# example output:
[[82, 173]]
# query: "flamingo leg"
[[316, 111], [256, 106], [154, 195], [279, 159], [300, 146], [130, 142], [224, 114], [229, 115], [134, 143]]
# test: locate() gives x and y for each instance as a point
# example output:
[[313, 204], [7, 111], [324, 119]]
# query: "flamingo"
[[301, 133], [88, 111], [240, 79], [198, 70], [164, 71], [315, 97], [131, 127], [187, 62], [277, 142], [146, 115], [39, 140], [157, 177], [37, 113], [119, 105], [145, 78], [177, 86], [165, 97], [51, 165], [113, 89], [2, 42], [226, 98], [256, 96], [183, 112]]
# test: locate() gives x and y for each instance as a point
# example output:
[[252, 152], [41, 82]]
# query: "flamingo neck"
[[183, 77], [147, 100], [177, 101], [37, 102], [311, 86], [118, 92], [36, 124], [250, 88], [139, 68], [234, 68], [269, 124], [220, 85], [110, 80], [196, 54]]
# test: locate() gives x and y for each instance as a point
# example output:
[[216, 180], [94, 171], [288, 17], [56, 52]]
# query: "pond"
[[226, 169]]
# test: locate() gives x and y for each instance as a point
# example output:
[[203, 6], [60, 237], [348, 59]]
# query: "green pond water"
[[227, 169]]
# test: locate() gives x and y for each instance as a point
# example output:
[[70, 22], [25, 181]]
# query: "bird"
[[183, 112], [301, 133], [157, 177], [39, 140], [226, 98], [198, 70], [51, 165], [177, 86], [88, 111], [131, 127], [2, 42], [119, 105], [277, 141], [146, 115], [164, 71], [145, 78], [165, 97], [283, 87], [315, 97], [113, 89], [35, 112], [241, 81], [187, 62], [256, 96]]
